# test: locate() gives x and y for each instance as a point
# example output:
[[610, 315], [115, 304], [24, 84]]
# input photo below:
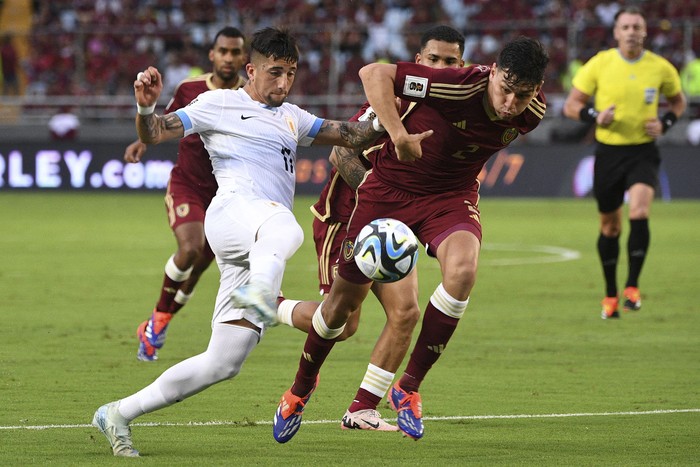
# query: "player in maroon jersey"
[[441, 46], [426, 176], [190, 190]]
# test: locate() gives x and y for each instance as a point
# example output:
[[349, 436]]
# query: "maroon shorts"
[[431, 217], [185, 204], [328, 238]]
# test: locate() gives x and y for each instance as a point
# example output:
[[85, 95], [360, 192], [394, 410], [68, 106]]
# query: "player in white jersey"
[[251, 136]]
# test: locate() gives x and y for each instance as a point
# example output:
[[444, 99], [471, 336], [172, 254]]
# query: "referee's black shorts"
[[619, 167]]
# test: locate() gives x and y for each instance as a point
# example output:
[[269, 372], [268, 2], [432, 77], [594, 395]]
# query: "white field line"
[[321, 422]]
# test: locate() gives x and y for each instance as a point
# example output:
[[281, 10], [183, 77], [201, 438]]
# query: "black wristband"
[[668, 120], [588, 114]]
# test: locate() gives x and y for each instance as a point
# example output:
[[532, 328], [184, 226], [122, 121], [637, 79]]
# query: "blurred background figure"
[[9, 64], [690, 76], [64, 125]]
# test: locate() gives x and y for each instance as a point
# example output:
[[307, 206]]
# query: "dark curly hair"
[[523, 60]]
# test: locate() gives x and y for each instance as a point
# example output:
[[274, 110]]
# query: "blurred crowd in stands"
[[96, 47]]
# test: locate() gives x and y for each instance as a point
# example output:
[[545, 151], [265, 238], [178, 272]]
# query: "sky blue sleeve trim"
[[316, 126], [186, 122]]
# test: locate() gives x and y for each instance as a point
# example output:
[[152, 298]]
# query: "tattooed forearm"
[[153, 129], [349, 134], [348, 164], [359, 134]]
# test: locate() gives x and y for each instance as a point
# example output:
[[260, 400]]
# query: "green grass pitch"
[[532, 376]]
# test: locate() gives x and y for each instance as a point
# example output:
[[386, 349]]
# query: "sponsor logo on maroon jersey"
[[415, 86]]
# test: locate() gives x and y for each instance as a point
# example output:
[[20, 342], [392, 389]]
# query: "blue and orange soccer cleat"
[[633, 299], [409, 407], [288, 416], [151, 334]]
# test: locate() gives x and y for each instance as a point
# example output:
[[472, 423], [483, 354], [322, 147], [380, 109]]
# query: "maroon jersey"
[[193, 166], [337, 199], [466, 135]]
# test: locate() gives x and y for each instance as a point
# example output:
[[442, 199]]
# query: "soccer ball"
[[386, 250]]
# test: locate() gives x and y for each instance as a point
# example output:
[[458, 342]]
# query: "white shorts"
[[231, 224]]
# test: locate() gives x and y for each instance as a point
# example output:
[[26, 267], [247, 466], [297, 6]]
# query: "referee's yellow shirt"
[[632, 86]]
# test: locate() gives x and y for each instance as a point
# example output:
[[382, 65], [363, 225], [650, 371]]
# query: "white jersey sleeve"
[[203, 113]]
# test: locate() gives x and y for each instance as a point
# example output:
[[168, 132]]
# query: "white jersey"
[[252, 146]]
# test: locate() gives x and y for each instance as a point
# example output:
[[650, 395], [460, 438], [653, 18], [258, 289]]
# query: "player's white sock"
[[322, 328], [377, 380], [182, 298], [228, 348], [448, 304], [285, 310], [175, 273]]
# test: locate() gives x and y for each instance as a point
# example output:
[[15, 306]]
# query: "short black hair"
[[523, 60], [228, 31], [275, 43], [443, 34]]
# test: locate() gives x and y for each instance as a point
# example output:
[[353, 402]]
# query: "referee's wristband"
[[668, 120], [588, 114], [145, 110]]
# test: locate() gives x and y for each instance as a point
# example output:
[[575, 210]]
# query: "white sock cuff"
[[175, 273], [377, 380], [284, 311], [182, 298], [447, 304], [322, 328]]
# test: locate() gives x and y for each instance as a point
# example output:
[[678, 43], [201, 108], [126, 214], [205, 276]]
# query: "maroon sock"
[[435, 332], [175, 307], [364, 400], [316, 349], [167, 294]]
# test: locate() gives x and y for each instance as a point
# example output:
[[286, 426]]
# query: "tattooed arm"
[[347, 161], [152, 128], [348, 134]]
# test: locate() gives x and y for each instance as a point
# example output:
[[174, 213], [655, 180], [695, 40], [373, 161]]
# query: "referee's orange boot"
[[610, 308], [633, 299]]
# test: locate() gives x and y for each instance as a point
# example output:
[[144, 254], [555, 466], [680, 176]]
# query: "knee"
[[611, 229], [462, 276], [297, 235], [404, 319], [190, 251], [222, 370]]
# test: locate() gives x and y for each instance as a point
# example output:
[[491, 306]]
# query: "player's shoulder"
[[199, 82], [657, 59], [537, 107], [604, 57]]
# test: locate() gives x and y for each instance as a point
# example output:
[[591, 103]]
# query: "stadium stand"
[[94, 48]]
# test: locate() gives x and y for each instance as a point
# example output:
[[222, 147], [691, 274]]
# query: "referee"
[[625, 83]]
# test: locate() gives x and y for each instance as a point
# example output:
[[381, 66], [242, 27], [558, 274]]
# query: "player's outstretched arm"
[[347, 134], [378, 81], [152, 128]]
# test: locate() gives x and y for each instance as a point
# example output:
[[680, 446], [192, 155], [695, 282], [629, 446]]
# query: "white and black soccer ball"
[[386, 250]]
